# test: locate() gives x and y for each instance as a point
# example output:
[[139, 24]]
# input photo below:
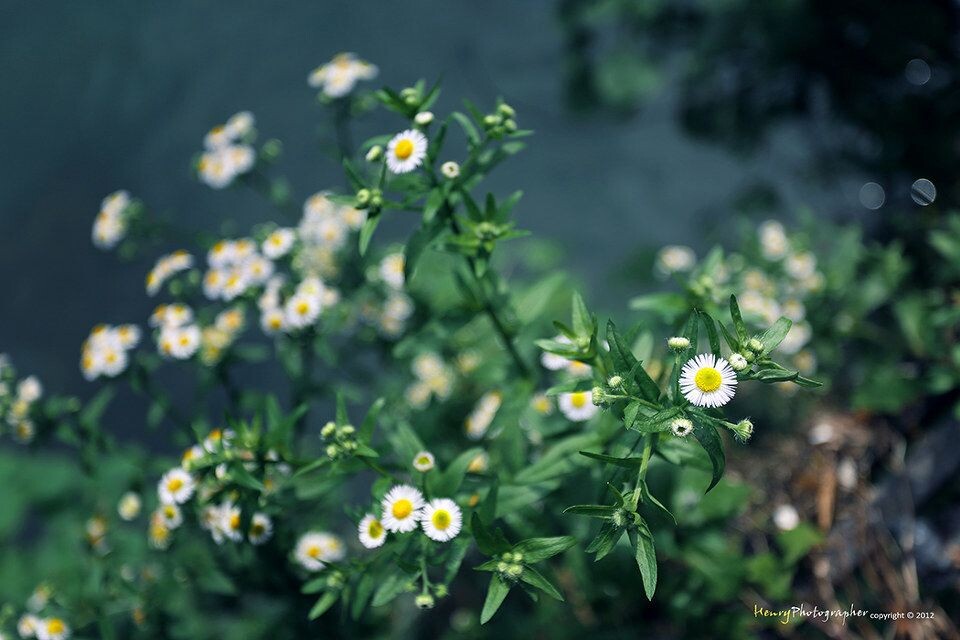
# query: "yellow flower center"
[[174, 484], [578, 400], [56, 625], [314, 551], [375, 529], [303, 308], [441, 519], [707, 379], [423, 460], [404, 149], [402, 508], [235, 521], [169, 512], [257, 529]]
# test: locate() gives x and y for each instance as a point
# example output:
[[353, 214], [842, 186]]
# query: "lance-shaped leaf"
[[488, 542], [537, 549], [323, 603], [625, 361], [711, 328], [591, 510], [707, 436], [772, 337], [366, 231], [647, 561], [421, 239], [606, 540], [627, 463], [496, 592], [535, 579], [583, 322], [738, 324]]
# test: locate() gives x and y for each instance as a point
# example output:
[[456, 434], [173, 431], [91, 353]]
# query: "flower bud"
[[755, 345], [614, 382], [681, 427], [743, 429], [363, 197], [348, 430], [514, 570], [423, 118], [599, 396], [506, 110], [333, 451], [375, 153], [502, 567], [510, 125], [738, 362], [328, 430], [491, 120], [678, 343], [507, 557], [517, 556], [450, 170], [424, 601], [441, 591]]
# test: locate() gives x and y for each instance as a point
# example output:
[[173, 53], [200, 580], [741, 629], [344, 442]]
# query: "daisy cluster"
[[404, 509], [167, 267], [227, 151], [337, 78], [110, 225], [18, 400], [105, 351], [178, 335], [218, 511], [577, 406], [32, 626], [775, 281]]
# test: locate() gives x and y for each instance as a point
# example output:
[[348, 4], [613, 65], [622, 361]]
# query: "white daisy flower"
[[301, 310], [240, 124], [578, 406], [801, 266], [52, 629], [115, 203], [179, 342], [129, 506], [402, 508], [708, 381], [423, 118], [272, 321], [353, 218], [158, 533], [424, 461], [450, 170], [316, 548], [261, 529], [176, 486], [331, 233], [171, 315], [338, 77], [27, 625], [480, 419], [278, 243], [217, 138], [406, 151], [681, 427], [675, 259], [171, 515], [391, 270], [229, 521], [773, 240], [29, 389], [371, 532], [441, 519]]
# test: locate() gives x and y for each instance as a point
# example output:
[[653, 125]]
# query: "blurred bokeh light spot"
[[872, 195], [917, 72], [923, 192]]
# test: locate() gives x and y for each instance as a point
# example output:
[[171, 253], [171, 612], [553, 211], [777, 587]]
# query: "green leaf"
[[606, 540], [627, 463], [323, 603], [496, 592], [419, 242], [647, 561], [434, 201], [393, 585], [798, 541], [649, 498], [625, 361], [772, 337], [738, 324], [450, 480], [591, 510], [535, 579], [711, 328], [366, 232], [468, 127], [537, 549], [343, 419], [487, 542], [370, 420], [708, 438], [582, 320]]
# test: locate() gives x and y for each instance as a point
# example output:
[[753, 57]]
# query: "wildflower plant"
[[462, 455]]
